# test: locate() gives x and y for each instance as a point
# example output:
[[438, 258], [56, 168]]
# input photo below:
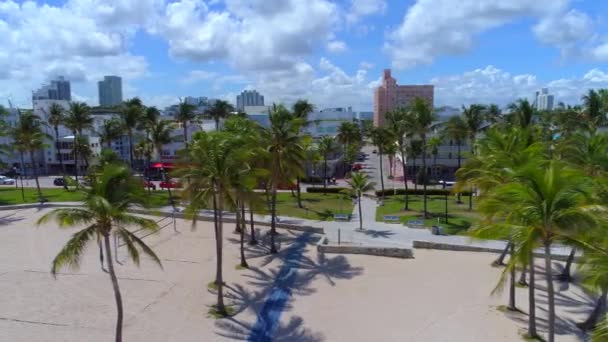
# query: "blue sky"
[[331, 52]]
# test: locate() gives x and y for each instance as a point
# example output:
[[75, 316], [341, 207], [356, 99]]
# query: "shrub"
[[328, 190], [429, 192]]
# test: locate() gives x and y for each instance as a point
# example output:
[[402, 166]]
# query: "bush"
[[328, 190], [429, 192]]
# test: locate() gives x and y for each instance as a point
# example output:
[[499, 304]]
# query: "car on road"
[[149, 185], [59, 181], [357, 167], [170, 184], [6, 181]]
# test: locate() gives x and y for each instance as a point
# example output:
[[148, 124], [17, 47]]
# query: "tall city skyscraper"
[[110, 91], [249, 98], [544, 100], [389, 95], [58, 89]]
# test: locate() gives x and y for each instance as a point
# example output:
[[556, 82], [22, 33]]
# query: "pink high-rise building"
[[389, 95]]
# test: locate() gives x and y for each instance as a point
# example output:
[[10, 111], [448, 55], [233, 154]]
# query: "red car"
[[150, 185], [171, 184], [357, 167]]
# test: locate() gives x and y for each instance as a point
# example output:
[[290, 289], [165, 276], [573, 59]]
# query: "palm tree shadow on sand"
[[262, 282]]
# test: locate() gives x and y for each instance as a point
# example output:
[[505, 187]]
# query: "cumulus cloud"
[[565, 31], [336, 46], [362, 8], [493, 85], [431, 28]]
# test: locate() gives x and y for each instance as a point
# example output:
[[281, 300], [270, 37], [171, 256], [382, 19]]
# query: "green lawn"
[[11, 195], [459, 217], [316, 206]]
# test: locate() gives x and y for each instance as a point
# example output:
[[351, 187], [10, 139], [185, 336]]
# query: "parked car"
[[59, 181], [357, 167], [170, 184], [6, 181], [149, 185], [448, 184]]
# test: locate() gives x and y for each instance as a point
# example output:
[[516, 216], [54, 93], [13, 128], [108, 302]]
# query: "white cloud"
[[431, 28], [336, 46], [195, 76], [564, 30], [366, 65], [600, 52], [362, 8], [493, 85], [259, 34]]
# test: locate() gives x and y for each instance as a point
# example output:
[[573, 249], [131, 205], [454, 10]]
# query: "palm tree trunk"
[[550, 293], [512, 282], [100, 245], [360, 213], [471, 199], [60, 157], [426, 213], [407, 200], [565, 275], [35, 171], [76, 161], [599, 311], [131, 148], [459, 160], [273, 213], [221, 309], [531, 298], [237, 226], [415, 174], [117, 295], [381, 171], [501, 259], [325, 175], [217, 124], [298, 191], [216, 232], [185, 134], [21, 175], [243, 260], [252, 240]]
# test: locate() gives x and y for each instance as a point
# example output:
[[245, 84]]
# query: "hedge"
[[328, 190], [430, 192]]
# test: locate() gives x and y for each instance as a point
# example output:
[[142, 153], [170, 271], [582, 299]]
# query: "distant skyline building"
[[58, 89], [110, 91], [249, 98], [389, 95], [544, 100]]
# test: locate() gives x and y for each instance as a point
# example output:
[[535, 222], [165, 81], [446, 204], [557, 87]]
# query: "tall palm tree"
[[327, 146], [456, 130], [424, 117], [29, 137], [219, 110], [359, 184], [521, 113], [185, 114], [400, 125], [77, 120], [111, 130], [82, 148], [433, 147], [131, 113], [301, 109], [105, 213], [592, 104], [210, 159], [543, 203], [55, 119], [286, 154], [415, 148], [492, 114], [381, 137], [160, 135], [474, 117]]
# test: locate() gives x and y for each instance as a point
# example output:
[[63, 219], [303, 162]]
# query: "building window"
[[450, 155]]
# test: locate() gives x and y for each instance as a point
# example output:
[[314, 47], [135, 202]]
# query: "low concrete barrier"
[[471, 248], [404, 253]]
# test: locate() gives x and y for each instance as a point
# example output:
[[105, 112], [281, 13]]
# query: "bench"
[[415, 224], [391, 218], [342, 217]]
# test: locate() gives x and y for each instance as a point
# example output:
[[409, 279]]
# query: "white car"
[[6, 181]]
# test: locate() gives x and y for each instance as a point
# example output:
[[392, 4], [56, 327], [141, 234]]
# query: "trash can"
[[436, 230]]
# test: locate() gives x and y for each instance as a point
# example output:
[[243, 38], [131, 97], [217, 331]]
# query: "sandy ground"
[[438, 296]]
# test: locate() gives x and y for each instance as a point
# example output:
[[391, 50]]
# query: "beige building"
[[389, 95]]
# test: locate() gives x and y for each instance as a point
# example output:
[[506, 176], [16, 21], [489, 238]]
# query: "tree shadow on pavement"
[[379, 233], [10, 218], [292, 331]]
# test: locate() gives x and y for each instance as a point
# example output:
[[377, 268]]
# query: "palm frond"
[[71, 253]]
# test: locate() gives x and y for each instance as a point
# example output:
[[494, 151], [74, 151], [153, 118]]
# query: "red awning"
[[165, 165]]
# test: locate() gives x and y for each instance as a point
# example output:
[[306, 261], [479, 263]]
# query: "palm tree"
[[592, 103], [400, 125], [415, 148], [301, 109], [160, 135], [219, 110], [433, 146], [359, 184], [29, 137], [381, 137], [78, 119], [327, 146], [474, 117], [111, 130], [492, 114], [521, 113], [131, 113], [105, 213], [286, 154], [542, 204], [456, 131], [82, 148], [55, 119], [210, 160], [423, 117], [184, 115]]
